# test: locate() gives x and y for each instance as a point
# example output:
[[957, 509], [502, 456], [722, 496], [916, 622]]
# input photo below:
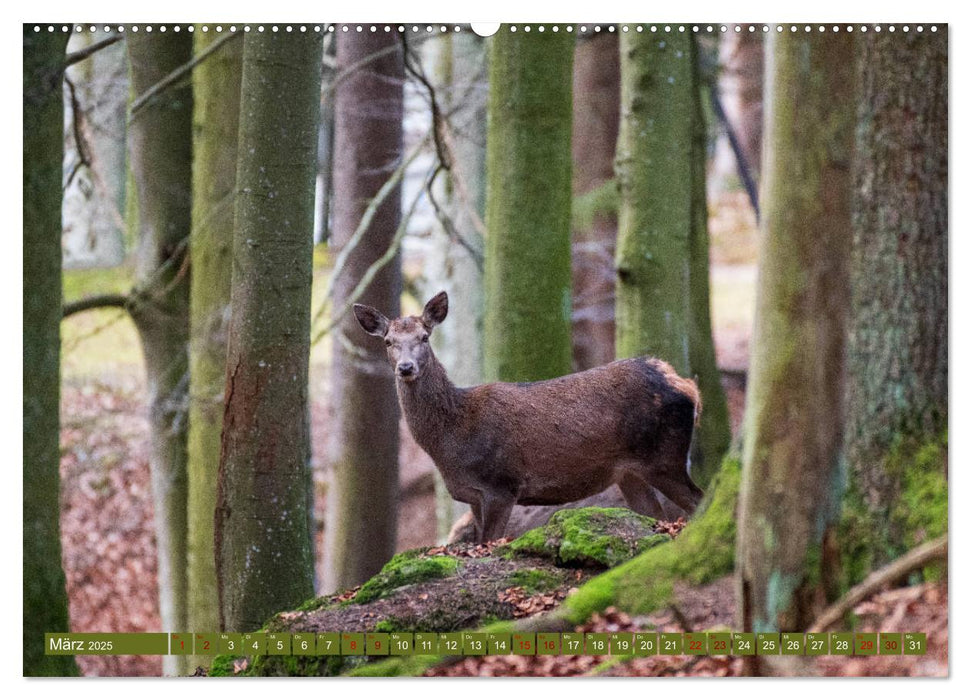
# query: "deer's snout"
[[407, 368]]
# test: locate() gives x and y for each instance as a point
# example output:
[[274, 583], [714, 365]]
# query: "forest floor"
[[107, 514]]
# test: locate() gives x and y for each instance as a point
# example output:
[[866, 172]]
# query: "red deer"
[[543, 443]]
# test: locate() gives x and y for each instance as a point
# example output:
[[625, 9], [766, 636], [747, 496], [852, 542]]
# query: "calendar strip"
[[488, 643]]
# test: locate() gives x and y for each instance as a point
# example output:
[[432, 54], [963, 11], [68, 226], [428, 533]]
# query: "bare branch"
[[87, 51], [371, 272], [100, 301], [84, 159], [175, 76], [914, 559]]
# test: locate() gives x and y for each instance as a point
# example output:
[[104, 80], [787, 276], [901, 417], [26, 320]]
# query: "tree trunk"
[[45, 596], [263, 542], [897, 391], [529, 170], [362, 512], [662, 249], [455, 265], [794, 413], [596, 119], [160, 148], [713, 435], [216, 88]]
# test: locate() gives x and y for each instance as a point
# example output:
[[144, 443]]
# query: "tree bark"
[[216, 90], [263, 540], [362, 512], [45, 595], [453, 265], [662, 248], [160, 149], [794, 412], [528, 201], [898, 377], [596, 120], [740, 55]]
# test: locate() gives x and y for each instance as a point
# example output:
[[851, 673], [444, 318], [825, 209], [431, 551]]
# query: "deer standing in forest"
[[550, 442]]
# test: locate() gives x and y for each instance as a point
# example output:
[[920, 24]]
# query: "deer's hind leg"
[[640, 496]]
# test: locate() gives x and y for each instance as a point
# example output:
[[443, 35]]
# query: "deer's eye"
[[424, 339], [387, 342]]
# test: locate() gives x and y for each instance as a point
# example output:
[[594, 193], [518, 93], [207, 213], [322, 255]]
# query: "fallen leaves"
[[525, 605]]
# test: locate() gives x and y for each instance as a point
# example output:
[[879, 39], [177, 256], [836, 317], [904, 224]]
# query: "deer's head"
[[405, 338]]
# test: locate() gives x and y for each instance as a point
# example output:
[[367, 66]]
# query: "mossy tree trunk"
[[216, 86], [662, 247], [160, 151], [45, 596], [791, 473], [462, 88], [362, 513], [528, 200], [898, 377], [264, 548], [596, 119]]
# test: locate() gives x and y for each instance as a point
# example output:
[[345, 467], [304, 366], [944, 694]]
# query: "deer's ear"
[[435, 310], [372, 321]]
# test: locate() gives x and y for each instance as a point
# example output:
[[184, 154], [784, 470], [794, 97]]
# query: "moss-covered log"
[[215, 84], [45, 597], [264, 549], [897, 388], [528, 196]]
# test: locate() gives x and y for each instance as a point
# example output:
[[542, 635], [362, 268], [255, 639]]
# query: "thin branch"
[[744, 171], [370, 273], [362, 227], [84, 159], [175, 76], [87, 51], [100, 301], [916, 558]]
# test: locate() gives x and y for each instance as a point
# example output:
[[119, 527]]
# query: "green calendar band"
[[106, 643], [481, 643]]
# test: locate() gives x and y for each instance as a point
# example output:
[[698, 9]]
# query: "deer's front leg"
[[496, 509]]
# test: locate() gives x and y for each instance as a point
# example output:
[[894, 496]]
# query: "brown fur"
[[543, 443]]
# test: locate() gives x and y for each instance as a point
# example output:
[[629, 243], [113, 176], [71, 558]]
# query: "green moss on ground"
[[536, 580], [403, 570], [224, 665], [589, 537], [702, 552]]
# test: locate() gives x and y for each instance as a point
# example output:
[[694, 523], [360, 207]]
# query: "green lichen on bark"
[[870, 537], [589, 537], [528, 196], [794, 414], [702, 552], [215, 84]]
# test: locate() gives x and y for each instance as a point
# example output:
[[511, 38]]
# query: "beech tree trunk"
[[898, 376], [45, 596], [596, 119], [160, 151], [662, 247], [453, 265], [528, 201], [791, 475], [216, 88], [263, 542], [362, 513]]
